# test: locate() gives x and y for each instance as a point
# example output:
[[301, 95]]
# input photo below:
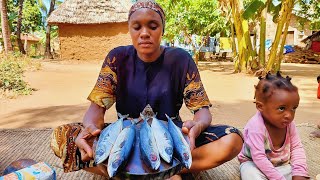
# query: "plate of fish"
[[143, 148]]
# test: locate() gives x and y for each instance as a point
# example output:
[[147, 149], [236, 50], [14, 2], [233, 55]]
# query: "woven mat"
[[34, 144]]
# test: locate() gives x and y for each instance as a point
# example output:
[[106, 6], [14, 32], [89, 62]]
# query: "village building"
[[31, 44], [313, 42], [89, 29], [296, 32]]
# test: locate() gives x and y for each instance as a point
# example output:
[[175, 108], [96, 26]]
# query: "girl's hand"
[[84, 141], [193, 130]]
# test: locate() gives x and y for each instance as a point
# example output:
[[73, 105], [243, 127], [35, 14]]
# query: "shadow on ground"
[[44, 117]]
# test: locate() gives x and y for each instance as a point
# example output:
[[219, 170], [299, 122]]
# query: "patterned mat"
[[34, 144]]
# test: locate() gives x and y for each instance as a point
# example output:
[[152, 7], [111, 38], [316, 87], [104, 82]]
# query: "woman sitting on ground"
[[147, 73]]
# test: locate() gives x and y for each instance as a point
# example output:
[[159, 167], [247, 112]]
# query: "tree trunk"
[[233, 41], [284, 37], [242, 59], [285, 12], [255, 43], [25, 43], [251, 60], [47, 52], [5, 27], [18, 32], [198, 51], [263, 27]]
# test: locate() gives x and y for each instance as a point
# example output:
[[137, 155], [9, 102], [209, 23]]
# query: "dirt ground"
[[62, 89]]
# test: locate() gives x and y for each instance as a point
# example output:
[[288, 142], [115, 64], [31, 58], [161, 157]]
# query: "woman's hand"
[[201, 120], [84, 141], [93, 123], [193, 130]]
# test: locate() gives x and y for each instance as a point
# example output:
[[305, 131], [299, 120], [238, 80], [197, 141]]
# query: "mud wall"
[[91, 42]]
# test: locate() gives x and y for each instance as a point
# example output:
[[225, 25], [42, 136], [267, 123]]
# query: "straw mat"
[[34, 144]]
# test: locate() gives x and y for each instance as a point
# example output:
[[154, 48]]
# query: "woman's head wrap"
[[150, 5]]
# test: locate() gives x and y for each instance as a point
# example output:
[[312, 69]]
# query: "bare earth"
[[63, 87]]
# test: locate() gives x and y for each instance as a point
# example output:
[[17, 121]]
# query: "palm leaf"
[[43, 6], [254, 7]]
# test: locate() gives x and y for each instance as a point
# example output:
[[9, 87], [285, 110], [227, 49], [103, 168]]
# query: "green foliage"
[[252, 9], [11, 75], [186, 17], [309, 9], [315, 25], [31, 20], [43, 7]]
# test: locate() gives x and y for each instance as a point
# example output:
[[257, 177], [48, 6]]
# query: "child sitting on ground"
[[316, 133], [272, 148], [318, 94]]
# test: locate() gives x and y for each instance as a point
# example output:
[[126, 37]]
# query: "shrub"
[[11, 75]]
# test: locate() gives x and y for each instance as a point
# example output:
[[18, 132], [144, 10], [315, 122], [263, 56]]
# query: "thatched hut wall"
[[91, 41], [89, 29]]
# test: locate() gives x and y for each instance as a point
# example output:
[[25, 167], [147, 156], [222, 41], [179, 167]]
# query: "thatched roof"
[[91, 12], [312, 36], [29, 37]]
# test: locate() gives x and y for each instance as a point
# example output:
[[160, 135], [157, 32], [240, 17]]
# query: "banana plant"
[[254, 11], [257, 10], [285, 13], [245, 50]]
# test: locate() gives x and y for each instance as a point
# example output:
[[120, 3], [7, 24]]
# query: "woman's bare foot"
[[315, 133]]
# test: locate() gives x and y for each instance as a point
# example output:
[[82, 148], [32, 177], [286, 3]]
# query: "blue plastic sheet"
[[288, 49]]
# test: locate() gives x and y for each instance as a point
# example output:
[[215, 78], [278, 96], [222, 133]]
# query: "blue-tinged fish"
[[148, 146], [181, 147], [163, 139], [121, 150], [107, 139]]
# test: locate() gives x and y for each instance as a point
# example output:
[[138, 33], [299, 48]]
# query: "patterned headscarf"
[[150, 4]]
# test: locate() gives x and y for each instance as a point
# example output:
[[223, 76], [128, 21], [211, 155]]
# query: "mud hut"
[[89, 29], [313, 42]]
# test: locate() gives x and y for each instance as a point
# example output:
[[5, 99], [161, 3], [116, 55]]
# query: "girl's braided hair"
[[271, 82]]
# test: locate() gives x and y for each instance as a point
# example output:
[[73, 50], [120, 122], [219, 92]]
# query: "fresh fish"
[[163, 139], [107, 139], [147, 112], [121, 150], [181, 147], [148, 147]]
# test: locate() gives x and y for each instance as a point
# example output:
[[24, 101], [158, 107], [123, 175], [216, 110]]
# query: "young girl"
[[316, 133], [272, 148], [318, 94]]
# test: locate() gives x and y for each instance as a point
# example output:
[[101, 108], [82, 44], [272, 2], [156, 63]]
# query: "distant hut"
[[313, 42], [89, 29], [29, 41]]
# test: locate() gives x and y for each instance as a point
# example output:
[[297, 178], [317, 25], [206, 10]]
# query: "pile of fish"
[[116, 143]]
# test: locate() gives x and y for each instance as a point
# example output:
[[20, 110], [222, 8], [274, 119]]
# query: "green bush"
[[11, 76]]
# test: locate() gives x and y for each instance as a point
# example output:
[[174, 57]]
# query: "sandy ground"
[[62, 89]]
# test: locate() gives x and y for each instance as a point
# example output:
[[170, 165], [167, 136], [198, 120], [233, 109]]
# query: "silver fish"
[[121, 150], [148, 147], [163, 139], [180, 145], [107, 139]]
